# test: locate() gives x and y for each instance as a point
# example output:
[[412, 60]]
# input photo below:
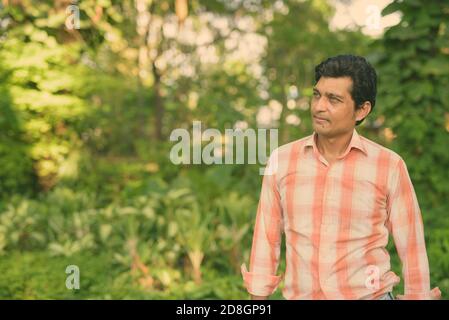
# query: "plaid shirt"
[[337, 219]]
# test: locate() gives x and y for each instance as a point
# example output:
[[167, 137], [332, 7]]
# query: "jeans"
[[387, 296]]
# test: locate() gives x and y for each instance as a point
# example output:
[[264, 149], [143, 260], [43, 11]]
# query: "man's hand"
[[258, 297]]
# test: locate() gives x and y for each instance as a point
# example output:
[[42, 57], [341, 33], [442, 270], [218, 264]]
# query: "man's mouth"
[[319, 119]]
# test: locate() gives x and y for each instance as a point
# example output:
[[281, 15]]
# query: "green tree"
[[413, 95]]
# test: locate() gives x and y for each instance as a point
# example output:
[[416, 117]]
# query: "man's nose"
[[320, 105]]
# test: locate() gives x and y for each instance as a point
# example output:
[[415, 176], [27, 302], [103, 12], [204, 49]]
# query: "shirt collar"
[[356, 142]]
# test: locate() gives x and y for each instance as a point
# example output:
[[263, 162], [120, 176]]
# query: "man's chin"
[[321, 129]]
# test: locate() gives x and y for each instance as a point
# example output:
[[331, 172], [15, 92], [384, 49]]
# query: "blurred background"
[[90, 91]]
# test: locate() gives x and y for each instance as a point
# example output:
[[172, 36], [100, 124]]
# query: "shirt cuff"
[[434, 294], [259, 284]]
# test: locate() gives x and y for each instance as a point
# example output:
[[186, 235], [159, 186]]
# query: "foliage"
[[416, 108], [16, 167], [85, 115], [42, 80]]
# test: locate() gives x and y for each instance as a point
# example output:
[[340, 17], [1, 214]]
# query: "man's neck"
[[333, 147]]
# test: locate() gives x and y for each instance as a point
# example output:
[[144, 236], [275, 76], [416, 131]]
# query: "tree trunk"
[[158, 105]]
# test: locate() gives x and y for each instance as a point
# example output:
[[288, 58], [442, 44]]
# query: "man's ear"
[[363, 111]]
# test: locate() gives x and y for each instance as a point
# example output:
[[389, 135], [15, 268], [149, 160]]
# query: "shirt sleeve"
[[261, 279], [406, 225]]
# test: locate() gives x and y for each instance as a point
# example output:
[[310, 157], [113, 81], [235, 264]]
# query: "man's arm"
[[261, 280], [405, 223]]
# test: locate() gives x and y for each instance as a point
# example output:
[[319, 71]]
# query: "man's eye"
[[316, 94], [334, 100]]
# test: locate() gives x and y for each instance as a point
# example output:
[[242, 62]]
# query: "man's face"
[[332, 110]]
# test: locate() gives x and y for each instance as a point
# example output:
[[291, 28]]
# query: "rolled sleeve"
[[434, 294], [260, 284]]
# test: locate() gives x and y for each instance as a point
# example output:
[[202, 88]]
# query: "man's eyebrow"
[[329, 94]]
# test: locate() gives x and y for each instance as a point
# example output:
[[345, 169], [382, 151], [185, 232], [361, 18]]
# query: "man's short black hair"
[[363, 75]]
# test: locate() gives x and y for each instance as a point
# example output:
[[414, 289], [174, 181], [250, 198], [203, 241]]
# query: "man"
[[337, 196]]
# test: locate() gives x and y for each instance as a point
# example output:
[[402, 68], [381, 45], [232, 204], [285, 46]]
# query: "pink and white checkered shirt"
[[337, 219]]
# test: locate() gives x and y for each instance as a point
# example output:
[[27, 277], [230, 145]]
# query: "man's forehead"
[[340, 85]]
